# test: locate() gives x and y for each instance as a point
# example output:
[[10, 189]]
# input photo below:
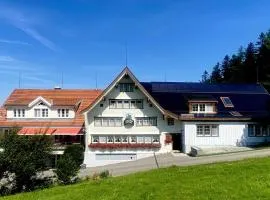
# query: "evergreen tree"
[[226, 69], [250, 66], [216, 76], [205, 77]]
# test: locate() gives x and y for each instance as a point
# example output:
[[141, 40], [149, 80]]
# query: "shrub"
[[75, 151], [104, 174], [66, 169], [24, 157]]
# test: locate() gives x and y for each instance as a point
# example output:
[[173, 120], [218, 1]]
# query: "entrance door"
[[177, 141]]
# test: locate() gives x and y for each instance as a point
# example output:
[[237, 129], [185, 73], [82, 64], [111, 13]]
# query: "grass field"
[[247, 179]]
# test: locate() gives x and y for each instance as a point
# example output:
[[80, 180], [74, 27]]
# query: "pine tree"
[[250, 66], [226, 69], [216, 76], [205, 77]]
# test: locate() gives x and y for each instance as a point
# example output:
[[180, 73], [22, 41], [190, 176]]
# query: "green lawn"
[[248, 179]]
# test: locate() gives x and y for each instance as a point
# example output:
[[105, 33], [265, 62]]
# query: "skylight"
[[236, 113], [227, 102]]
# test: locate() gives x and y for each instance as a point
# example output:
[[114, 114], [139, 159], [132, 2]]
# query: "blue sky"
[[84, 39]]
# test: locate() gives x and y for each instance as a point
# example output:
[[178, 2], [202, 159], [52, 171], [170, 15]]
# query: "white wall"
[[161, 129], [230, 134], [30, 114]]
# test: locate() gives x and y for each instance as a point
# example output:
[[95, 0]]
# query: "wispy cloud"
[[14, 42], [26, 24], [6, 59]]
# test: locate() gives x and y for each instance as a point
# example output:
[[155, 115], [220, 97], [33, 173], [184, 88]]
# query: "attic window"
[[41, 104], [227, 102], [236, 114]]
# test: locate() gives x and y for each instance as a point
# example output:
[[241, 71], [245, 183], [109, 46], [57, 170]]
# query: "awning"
[[51, 131]]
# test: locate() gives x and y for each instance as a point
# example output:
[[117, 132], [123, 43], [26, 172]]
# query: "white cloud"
[[26, 24], [14, 42], [6, 59]]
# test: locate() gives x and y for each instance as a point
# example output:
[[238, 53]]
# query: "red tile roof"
[[63, 97]]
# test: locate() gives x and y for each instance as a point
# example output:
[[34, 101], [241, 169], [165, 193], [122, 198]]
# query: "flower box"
[[124, 145]]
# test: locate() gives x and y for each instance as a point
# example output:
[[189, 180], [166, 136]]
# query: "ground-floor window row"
[[257, 130], [125, 139], [207, 130]]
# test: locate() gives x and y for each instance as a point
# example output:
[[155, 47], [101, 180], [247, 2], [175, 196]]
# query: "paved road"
[[165, 160]]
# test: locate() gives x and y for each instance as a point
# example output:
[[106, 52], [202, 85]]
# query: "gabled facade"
[[131, 119], [126, 123]]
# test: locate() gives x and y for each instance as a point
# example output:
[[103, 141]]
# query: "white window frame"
[[198, 108], [146, 121], [19, 113], [207, 130], [108, 121]]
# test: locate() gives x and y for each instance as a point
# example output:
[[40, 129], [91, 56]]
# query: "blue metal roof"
[[251, 100]]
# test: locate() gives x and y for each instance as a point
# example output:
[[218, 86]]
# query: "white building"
[[54, 112], [132, 120]]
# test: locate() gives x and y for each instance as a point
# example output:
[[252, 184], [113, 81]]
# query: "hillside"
[[247, 179]]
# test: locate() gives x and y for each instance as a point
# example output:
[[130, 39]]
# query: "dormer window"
[[18, 113], [197, 108], [41, 113], [202, 108], [227, 102], [64, 113]]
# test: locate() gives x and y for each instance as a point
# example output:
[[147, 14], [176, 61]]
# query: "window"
[[117, 139], [146, 121], [139, 103], [119, 104], [126, 103], [44, 112], [64, 113], [251, 130], [110, 139], [256, 130], [140, 139], [126, 87], [195, 108], [112, 104], [207, 130], [102, 139], [198, 108], [202, 107], [148, 139], [170, 121], [227, 102], [133, 104], [124, 139], [155, 139], [108, 121], [19, 113], [132, 139], [95, 139], [37, 112]]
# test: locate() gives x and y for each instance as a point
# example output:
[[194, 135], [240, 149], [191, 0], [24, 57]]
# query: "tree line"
[[248, 65]]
